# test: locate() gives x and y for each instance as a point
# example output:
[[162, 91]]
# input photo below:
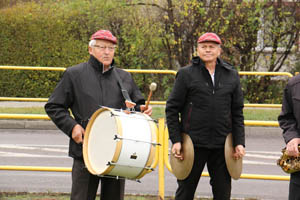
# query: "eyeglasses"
[[102, 48]]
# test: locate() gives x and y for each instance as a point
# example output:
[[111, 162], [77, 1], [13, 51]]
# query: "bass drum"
[[119, 144]]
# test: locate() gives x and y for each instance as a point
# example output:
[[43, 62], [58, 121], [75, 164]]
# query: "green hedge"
[[56, 34]]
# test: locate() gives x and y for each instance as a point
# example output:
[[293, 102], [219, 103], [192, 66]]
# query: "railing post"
[[161, 172]]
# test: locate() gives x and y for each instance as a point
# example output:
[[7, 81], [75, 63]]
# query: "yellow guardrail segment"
[[266, 73], [161, 172], [166, 150], [256, 105], [23, 99], [261, 123], [265, 177], [23, 116], [34, 68], [35, 168]]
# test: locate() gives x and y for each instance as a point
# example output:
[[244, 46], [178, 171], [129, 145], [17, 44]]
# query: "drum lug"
[[149, 168], [110, 163]]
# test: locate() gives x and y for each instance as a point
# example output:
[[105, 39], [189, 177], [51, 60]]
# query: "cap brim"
[[182, 168], [234, 166]]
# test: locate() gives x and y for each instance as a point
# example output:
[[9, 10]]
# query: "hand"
[[176, 151], [239, 152], [148, 111], [77, 134], [129, 104], [292, 147]]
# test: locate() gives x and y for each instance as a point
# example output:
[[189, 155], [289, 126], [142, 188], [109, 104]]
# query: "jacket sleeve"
[[59, 103], [174, 106], [286, 118], [238, 129]]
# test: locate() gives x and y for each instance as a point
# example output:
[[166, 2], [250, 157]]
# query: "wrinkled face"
[[208, 51], [103, 51]]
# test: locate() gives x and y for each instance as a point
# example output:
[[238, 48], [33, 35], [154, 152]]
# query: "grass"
[[63, 196], [159, 112]]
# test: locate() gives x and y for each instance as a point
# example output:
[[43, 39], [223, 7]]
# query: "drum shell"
[[119, 144]]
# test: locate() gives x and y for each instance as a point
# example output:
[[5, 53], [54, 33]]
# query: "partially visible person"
[[289, 121], [206, 103], [83, 89]]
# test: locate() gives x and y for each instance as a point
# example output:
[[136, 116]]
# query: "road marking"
[[27, 155], [35, 147], [260, 156], [251, 162]]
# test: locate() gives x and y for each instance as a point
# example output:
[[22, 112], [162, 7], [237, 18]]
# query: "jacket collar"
[[98, 65], [197, 61]]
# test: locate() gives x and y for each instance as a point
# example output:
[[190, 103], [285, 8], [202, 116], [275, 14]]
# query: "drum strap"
[[123, 90]]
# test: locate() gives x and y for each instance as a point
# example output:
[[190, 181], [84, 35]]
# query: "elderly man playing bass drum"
[[83, 89]]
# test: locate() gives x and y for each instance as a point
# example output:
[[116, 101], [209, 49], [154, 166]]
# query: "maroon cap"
[[209, 37], [104, 35]]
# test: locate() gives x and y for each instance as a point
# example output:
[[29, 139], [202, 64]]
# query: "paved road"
[[49, 148]]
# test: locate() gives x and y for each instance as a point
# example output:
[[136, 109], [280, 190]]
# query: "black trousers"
[[85, 185], [220, 179], [294, 189]]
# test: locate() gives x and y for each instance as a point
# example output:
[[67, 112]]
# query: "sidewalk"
[[49, 125]]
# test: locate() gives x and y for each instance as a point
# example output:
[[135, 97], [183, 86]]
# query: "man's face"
[[103, 51], [208, 51]]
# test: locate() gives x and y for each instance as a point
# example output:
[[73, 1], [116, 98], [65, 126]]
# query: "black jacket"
[[83, 89], [289, 118], [205, 111]]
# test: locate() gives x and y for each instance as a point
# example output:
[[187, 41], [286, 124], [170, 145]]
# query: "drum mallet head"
[[153, 86]]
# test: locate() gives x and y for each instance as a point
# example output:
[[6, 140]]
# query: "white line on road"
[[32, 147], [26, 155]]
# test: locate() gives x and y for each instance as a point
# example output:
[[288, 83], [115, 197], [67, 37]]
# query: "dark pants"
[[85, 185], [220, 179], [294, 190]]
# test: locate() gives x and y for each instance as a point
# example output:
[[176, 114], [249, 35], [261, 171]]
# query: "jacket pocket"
[[188, 117]]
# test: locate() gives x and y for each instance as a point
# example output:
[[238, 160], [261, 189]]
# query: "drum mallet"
[[152, 88]]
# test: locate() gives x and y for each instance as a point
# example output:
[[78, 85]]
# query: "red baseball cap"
[[209, 37], [104, 35]]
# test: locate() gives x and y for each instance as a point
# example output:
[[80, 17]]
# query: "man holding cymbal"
[[206, 103]]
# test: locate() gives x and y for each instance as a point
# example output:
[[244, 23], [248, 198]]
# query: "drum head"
[[99, 146]]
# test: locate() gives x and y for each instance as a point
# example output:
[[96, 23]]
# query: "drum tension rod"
[[118, 177], [111, 163], [117, 137]]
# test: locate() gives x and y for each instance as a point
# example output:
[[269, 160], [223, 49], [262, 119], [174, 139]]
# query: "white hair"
[[92, 43]]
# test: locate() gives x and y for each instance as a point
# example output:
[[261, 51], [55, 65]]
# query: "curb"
[[49, 125], [27, 124]]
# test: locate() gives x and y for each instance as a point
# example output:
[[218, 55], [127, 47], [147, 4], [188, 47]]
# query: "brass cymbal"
[[234, 166], [182, 168]]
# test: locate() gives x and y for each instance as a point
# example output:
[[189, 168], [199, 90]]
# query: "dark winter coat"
[[83, 89], [207, 112], [289, 118]]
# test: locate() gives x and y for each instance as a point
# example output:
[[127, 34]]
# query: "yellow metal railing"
[[145, 71]]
